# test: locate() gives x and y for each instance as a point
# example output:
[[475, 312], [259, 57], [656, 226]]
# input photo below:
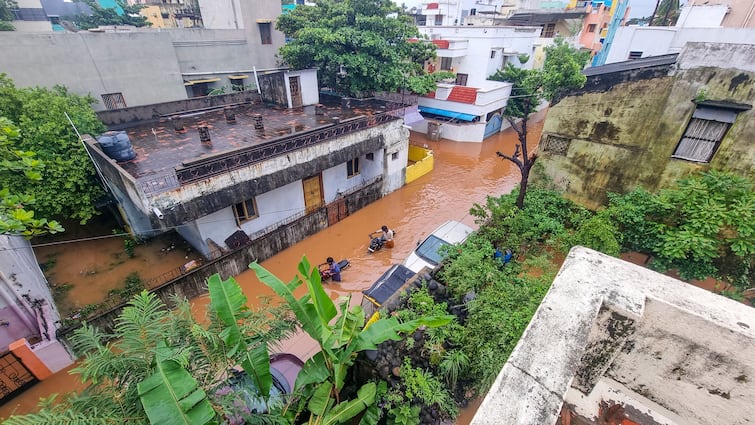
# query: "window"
[[113, 101], [592, 28], [704, 133], [461, 79], [549, 30], [556, 145], [635, 55], [438, 19], [394, 156], [245, 211], [492, 54], [445, 63], [352, 167], [265, 32], [370, 156]]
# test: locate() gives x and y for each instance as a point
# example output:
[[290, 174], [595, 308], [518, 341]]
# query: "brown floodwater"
[[463, 174]]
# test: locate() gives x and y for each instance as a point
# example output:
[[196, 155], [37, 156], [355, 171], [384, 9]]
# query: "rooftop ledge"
[[684, 355]]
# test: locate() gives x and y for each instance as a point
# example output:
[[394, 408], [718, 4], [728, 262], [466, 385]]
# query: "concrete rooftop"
[[160, 148], [610, 333]]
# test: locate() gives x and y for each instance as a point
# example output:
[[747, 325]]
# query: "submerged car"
[[428, 252]]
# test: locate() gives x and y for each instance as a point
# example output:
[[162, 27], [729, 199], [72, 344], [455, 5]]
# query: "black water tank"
[[117, 145]]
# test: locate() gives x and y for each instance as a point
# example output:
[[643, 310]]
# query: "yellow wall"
[[423, 163]]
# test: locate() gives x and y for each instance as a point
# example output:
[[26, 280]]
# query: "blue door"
[[493, 126]]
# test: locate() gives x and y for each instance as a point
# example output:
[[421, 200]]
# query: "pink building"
[[596, 22]]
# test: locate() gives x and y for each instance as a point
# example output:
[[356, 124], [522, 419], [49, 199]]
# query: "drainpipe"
[[256, 80]]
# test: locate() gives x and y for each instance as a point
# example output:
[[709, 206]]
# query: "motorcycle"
[[324, 269], [376, 243]]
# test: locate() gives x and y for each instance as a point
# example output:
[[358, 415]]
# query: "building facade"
[[713, 23], [469, 108], [227, 174], [649, 122], [147, 66]]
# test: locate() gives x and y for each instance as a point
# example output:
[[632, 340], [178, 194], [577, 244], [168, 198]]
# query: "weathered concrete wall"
[[621, 131], [196, 200], [204, 52], [127, 117], [140, 65], [19, 275]]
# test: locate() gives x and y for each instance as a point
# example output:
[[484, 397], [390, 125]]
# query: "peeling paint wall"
[[621, 133]]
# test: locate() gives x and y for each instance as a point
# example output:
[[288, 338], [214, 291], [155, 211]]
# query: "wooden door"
[[312, 193], [294, 85]]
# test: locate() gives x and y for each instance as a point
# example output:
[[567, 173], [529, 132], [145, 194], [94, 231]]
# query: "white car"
[[427, 253]]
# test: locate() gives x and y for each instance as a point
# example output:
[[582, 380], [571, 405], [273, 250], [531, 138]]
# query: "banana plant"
[[171, 396], [229, 304], [322, 378]]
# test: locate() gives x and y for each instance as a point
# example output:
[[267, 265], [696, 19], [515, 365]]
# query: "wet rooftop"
[[159, 147]]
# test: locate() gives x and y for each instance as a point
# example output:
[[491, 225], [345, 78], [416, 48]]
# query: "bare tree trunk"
[[521, 157]]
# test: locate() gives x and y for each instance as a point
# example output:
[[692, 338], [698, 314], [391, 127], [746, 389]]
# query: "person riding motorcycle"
[[386, 236]]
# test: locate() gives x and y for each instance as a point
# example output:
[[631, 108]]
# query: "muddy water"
[[463, 174]]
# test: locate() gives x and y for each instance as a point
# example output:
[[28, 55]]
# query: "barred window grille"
[[113, 101], [704, 133], [556, 145]]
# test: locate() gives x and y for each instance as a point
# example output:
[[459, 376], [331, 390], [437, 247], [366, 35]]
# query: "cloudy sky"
[[639, 8]]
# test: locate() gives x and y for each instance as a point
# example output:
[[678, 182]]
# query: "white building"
[[224, 174], [705, 23], [469, 108]]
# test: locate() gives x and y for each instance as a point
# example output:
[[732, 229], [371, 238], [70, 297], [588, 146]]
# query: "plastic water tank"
[[117, 145]]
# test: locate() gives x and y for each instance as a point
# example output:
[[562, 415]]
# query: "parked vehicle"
[[325, 273], [428, 252]]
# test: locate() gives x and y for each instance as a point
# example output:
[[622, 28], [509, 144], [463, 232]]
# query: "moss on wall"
[[624, 137]]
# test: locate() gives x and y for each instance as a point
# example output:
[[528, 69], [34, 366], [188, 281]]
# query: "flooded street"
[[463, 174]]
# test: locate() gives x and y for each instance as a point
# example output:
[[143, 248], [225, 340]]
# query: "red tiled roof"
[[412, 40], [432, 5], [463, 94], [442, 44], [430, 95]]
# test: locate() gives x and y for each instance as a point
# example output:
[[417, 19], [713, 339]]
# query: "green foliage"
[[705, 226], [422, 387], [359, 46], [453, 366], [426, 83], [158, 356], [128, 246], [15, 219], [666, 13], [109, 16], [134, 285], [546, 221], [6, 11], [598, 233], [171, 396], [71, 186], [403, 414], [341, 335]]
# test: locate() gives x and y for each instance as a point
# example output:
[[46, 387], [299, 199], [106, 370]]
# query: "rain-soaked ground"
[[464, 174]]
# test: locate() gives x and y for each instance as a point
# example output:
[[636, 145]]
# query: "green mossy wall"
[[624, 137]]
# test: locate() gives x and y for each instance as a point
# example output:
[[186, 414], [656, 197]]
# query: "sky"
[[639, 8]]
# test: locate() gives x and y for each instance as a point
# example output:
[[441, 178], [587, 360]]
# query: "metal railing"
[[254, 154]]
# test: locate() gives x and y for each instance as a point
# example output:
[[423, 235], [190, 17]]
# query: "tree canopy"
[[70, 187], [15, 216], [122, 14], [561, 71], [359, 46], [6, 14]]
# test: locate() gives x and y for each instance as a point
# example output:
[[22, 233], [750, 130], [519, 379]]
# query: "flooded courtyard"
[[463, 174]]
